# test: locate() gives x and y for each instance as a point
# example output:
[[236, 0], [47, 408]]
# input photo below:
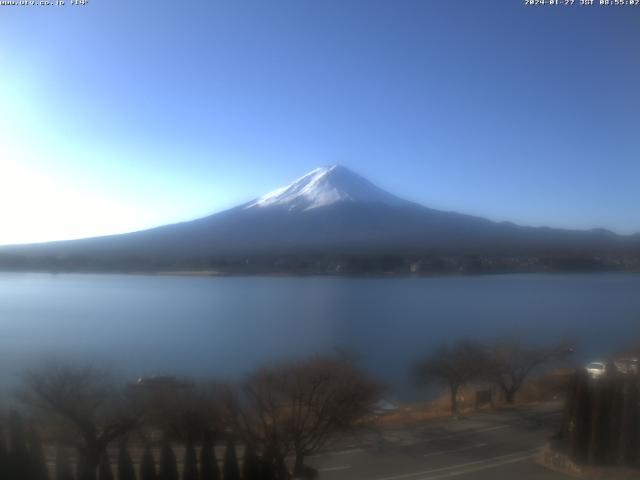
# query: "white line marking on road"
[[419, 442], [334, 469], [348, 452], [466, 432], [482, 467], [463, 449], [333, 454], [497, 461]]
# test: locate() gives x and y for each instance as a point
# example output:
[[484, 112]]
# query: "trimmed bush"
[[230, 467], [38, 463], [190, 462], [273, 467], [125, 464], [209, 469], [4, 469], [18, 454], [104, 469], [251, 465], [602, 420], [148, 465], [168, 464], [63, 465]]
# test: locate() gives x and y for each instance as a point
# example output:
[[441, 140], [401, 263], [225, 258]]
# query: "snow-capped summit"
[[325, 186]]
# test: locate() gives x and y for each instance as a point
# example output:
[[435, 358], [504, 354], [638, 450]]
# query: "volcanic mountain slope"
[[331, 210]]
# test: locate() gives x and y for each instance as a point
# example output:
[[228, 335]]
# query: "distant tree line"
[[328, 263]]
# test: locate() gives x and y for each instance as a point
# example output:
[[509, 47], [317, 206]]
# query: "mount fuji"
[[329, 211], [326, 186]]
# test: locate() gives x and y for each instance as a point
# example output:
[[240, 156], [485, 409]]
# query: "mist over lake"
[[224, 327]]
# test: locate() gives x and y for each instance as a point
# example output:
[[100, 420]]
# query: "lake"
[[225, 326]]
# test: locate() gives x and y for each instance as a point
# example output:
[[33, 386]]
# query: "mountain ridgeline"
[[334, 221]]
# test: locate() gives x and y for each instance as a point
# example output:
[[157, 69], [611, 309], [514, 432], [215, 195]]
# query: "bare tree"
[[297, 407], [208, 462], [453, 366], [82, 405], [182, 410], [509, 362]]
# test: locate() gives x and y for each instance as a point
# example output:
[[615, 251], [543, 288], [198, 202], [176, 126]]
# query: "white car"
[[596, 369]]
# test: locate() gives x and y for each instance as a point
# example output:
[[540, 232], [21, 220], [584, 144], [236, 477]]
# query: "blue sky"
[[122, 115]]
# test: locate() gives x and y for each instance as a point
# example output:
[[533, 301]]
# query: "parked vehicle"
[[596, 369], [386, 407]]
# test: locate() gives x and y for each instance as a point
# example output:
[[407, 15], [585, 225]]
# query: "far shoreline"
[[380, 275]]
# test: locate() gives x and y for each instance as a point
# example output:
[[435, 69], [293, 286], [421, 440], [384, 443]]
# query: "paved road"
[[486, 446]]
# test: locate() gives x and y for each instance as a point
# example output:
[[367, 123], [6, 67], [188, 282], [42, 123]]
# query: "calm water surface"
[[143, 325]]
